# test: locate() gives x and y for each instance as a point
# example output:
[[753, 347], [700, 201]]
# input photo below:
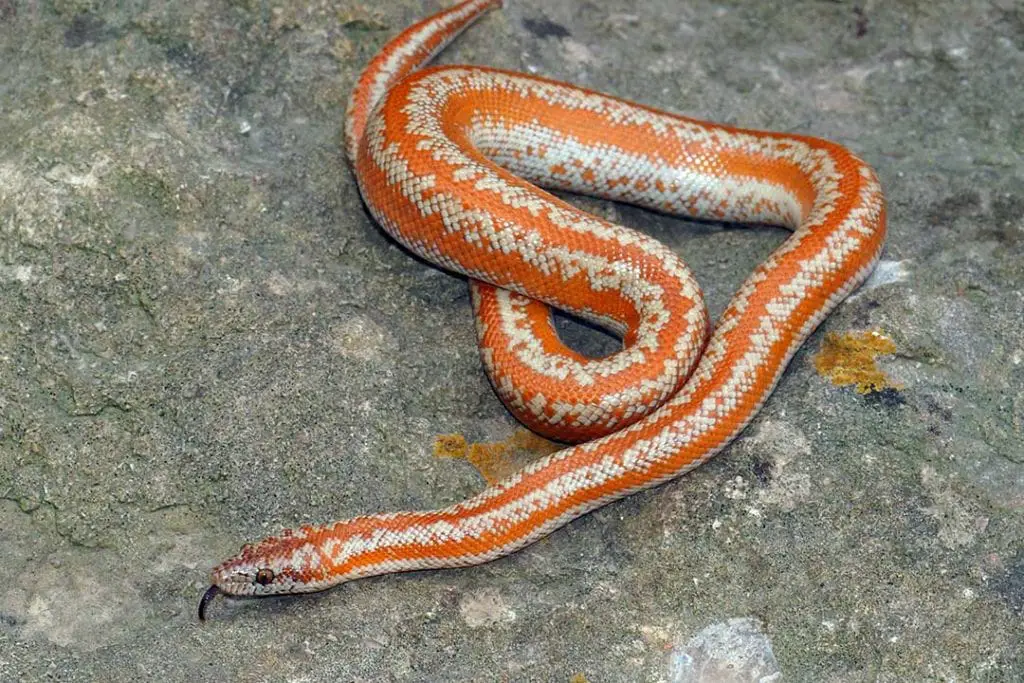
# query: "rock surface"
[[204, 338]]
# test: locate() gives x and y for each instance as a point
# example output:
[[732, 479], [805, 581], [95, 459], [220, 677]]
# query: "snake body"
[[447, 159]]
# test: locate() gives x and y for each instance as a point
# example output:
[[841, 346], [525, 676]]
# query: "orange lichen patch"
[[849, 358], [498, 459], [578, 678], [450, 446]]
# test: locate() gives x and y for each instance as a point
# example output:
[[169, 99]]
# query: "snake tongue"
[[208, 596]]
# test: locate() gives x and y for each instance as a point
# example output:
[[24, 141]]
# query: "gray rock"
[[204, 339]]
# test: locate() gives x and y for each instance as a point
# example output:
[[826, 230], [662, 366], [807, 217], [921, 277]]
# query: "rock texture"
[[204, 338]]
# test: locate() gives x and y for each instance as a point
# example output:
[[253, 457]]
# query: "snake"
[[450, 162]]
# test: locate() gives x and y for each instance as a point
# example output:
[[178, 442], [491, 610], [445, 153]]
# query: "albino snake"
[[442, 156]]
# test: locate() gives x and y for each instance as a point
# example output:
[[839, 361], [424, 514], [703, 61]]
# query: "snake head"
[[279, 565]]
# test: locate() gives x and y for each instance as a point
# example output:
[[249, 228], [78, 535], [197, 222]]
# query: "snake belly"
[[448, 160]]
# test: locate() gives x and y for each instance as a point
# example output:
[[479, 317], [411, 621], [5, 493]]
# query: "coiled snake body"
[[443, 157]]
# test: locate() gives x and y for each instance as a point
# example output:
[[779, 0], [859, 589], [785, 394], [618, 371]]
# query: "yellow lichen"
[[498, 459], [849, 359], [450, 446]]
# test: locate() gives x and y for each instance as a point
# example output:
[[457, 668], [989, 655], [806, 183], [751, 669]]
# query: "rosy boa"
[[446, 159]]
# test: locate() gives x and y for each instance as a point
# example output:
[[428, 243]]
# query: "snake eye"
[[264, 576]]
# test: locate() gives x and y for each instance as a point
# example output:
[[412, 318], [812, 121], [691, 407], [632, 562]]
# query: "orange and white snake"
[[443, 157]]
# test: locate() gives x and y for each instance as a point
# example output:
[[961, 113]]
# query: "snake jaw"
[[234, 583], [237, 584], [223, 581]]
